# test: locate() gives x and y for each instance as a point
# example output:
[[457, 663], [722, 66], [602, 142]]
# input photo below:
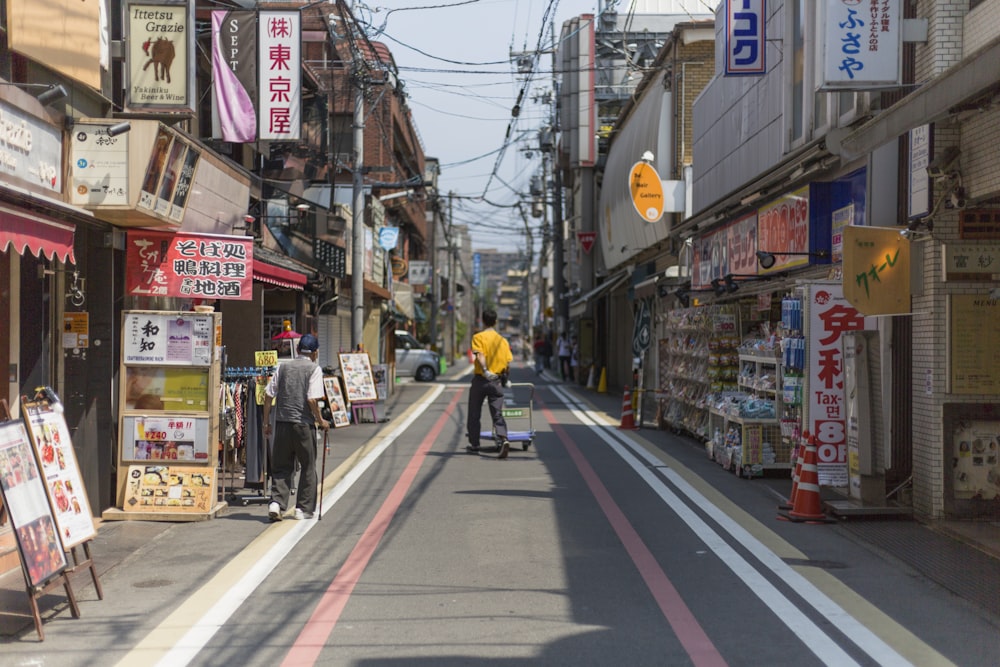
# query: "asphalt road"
[[595, 546]]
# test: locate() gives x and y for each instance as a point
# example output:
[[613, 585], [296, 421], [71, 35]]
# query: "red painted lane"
[[319, 627], [689, 632]]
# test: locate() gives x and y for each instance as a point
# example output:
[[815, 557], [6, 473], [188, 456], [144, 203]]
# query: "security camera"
[[119, 128], [943, 164], [958, 199]]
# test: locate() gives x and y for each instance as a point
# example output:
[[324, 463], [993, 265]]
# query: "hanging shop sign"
[[971, 261], [642, 333], [830, 315], [280, 71], [158, 46], [30, 150], [189, 266], [388, 238], [876, 275], [646, 190], [234, 70], [745, 38], [862, 45], [420, 272]]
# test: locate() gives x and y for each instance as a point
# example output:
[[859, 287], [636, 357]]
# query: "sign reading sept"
[[159, 43]]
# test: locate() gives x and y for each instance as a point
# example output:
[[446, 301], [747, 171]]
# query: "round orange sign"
[[647, 191]]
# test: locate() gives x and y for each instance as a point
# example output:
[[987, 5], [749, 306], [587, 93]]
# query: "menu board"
[[60, 472], [27, 504], [165, 437], [356, 369], [162, 488], [974, 344], [335, 399], [975, 451], [178, 339]]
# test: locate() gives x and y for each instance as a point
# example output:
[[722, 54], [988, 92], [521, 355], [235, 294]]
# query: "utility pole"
[[435, 283], [453, 336], [559, 279], [358, 215]]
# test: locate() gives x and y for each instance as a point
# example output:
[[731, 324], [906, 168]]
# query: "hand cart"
[[519, 398]]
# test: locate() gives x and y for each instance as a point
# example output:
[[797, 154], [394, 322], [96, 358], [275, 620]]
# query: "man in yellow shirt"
[[491, 357]]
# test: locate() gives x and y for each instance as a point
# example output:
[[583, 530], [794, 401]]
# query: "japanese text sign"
[[745, 38], [280, 107], [783, 227], [830, 315], [876, 272], [189, 266], [731, 249], [862, 44], [167, 339]]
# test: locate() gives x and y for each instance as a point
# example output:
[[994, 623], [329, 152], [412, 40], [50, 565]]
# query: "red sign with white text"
[[193, 266], [586, 240]]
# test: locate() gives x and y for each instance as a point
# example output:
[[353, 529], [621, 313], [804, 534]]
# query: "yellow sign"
[[876, 275], [647, 191], [265, 358], [76, 330]]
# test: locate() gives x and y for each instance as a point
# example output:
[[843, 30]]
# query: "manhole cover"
[[152, 583]]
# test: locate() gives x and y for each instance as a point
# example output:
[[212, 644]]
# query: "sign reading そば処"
[[189, 266]]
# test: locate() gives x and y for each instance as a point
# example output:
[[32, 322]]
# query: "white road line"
[[811, 635], [187, 647]]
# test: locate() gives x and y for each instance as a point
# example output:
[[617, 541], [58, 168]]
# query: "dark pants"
[[565, 370], [294, 442], [493, 392]]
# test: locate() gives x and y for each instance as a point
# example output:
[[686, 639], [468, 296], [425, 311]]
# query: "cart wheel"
[[527, 443], [246, 502]]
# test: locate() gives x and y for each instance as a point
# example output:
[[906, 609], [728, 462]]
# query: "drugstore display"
[[731, 375]]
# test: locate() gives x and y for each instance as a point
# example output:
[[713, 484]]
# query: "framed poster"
[[973, 344], [165, 438], [161, 339], [162, 488], [60, 472], [359, 383], [335, 399], [27, 503]]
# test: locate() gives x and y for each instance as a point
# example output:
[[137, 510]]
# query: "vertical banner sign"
[[189, 266], [158, 55], [783, 227], [830, 315], [919, 195], [234, 67], [862, 44], [280, 76], [477, 268], [745, 38]]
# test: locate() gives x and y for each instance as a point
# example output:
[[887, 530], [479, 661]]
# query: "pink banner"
[[234, 60]]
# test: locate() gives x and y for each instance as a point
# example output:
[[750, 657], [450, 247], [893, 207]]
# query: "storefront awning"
[[578, 307], [403, 300], [278, 276], [36, 233]]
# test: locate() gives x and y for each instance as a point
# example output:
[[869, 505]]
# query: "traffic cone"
[[628, 421], [590, 378], [471, 358], [602, 385], [795, 475], [808, 507]]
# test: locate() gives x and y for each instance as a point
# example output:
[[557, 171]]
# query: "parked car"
[[413, 360]]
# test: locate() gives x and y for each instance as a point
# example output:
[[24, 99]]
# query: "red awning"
[[38, 233], [276, 275]]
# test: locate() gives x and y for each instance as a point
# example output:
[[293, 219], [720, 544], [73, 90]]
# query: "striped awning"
[[277, 275], [37, 234]]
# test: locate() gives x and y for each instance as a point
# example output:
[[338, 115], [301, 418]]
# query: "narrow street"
[[594, 546]]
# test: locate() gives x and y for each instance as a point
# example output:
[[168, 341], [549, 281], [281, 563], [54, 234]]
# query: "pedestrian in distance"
[[295, 388], [539, 348], [565, 351], [574, 360], [547, 351], [491, 358]]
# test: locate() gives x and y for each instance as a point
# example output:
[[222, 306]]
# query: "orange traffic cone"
[[628, 421], [471, 358], [808, 507], [795, 474]]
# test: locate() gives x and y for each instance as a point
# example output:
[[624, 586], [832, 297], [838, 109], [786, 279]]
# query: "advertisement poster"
[[99, 175], [830, 315], [335, 399], [61, 472], [168, 339], [974, 344], [158, 55], [27, 505], [358, 380], [189, 266], [161, 488], [975, 466], [380, 372], [165, 438], [783, 227]]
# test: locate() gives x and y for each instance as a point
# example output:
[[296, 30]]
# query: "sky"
[[455, 62]]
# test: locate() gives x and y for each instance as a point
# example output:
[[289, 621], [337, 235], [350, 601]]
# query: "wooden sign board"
[[335, 399], [50, 439], [27, 503], [356, 368]]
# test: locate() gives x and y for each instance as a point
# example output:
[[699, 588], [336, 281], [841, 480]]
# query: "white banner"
[[862, 45], [280, 104]]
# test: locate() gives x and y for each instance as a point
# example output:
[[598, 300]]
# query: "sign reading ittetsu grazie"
[[189, 266]]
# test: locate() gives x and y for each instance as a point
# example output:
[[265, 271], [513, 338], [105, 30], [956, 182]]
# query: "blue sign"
[[477, 267], [388, 237]]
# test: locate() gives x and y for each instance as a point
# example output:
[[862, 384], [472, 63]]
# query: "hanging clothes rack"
[[242, 433]]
